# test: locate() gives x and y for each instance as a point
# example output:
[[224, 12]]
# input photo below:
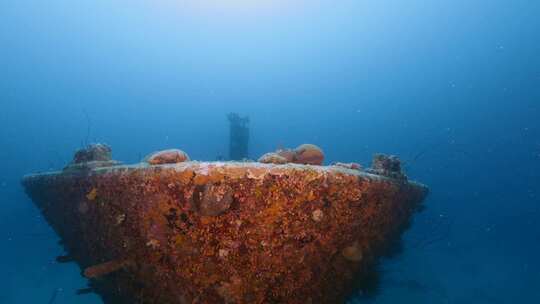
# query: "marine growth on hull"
[[283, 229]]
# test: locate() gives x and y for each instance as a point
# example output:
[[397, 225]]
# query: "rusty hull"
[[224, 232]]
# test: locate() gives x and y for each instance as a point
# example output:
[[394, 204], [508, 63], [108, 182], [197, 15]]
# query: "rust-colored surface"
[[224, 232]]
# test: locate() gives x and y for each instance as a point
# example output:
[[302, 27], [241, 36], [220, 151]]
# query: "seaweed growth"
[[88, 129]]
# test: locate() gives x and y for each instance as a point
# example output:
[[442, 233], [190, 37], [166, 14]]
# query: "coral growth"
[[352, 166], [170, 156], [94, 152], [317, 215], [93, 156], [225, 232], [308, 154], [288, 154], [92, 194], [272, 158], [213, 200], [387, 165]]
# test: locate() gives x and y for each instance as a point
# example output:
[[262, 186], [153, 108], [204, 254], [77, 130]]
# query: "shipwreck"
[[284, 229]]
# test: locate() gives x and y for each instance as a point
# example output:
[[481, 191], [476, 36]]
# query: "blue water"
[[451, 87]]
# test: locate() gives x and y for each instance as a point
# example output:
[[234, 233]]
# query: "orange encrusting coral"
[[226, 232]]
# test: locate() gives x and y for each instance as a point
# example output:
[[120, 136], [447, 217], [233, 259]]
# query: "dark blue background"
[[456, 83]]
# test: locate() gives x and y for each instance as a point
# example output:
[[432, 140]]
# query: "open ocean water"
[[451, 87]]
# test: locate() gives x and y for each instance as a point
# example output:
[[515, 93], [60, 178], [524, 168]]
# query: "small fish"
[[64, 258], [83, 291]]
